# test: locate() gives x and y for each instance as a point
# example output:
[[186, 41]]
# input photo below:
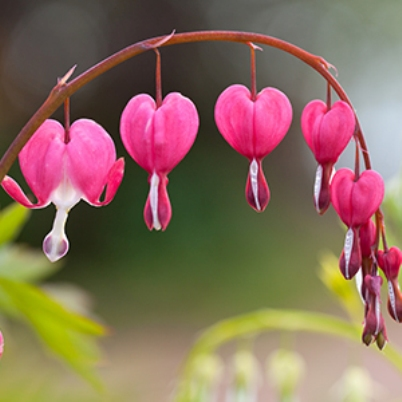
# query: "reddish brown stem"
[[67, 120], [253, 72], [158, 79], [63, 90]]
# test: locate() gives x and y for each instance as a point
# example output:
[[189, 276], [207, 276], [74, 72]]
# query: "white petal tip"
[[55, 247]]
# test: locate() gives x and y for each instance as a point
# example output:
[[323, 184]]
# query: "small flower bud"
[[246, 378], [285, 370]]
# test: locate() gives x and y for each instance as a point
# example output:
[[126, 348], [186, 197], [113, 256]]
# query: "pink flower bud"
[[253, 128], [374, 325], [65, 172], [390, 262], [327, 133], [158, 138]]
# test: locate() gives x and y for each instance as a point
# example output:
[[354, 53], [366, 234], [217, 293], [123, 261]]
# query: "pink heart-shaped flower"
[[327, 132], [355, 201]]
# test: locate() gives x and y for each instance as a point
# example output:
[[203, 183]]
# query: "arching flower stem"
[[63, 90]]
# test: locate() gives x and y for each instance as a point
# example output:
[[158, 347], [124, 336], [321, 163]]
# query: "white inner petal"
[[359, 283], [317, 186], [65, 196], [56, 244], [254, 182], [153, 199], [392, 301], [347, 249], [377, 314]]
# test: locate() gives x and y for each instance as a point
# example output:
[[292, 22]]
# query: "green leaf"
[[12, 218], [68, 335], [24, 264]]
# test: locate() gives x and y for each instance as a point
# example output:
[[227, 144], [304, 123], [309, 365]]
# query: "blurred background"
[[218, 258]]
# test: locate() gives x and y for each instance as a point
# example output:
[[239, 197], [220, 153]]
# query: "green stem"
[[270, 320], [63, 90]]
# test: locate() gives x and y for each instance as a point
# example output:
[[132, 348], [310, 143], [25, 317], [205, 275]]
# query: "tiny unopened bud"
[[207, 372], [246, 378], [356, 385], [285, 370]]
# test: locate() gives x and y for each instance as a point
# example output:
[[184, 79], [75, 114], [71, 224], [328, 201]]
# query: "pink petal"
[[114, 179], [90, 155], [159, 138], [253, 128], [41, 160], [15, 192], [327, 133]]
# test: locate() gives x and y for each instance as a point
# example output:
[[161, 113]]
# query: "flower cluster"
[[63, 165], [356, 198]]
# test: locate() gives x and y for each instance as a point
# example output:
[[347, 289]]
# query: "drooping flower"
[[253, 127], [63, 169], [327, 133], [355, 201], [158, 138]]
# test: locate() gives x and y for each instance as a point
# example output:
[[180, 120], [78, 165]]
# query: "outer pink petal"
[[175, 129], [41, 160], [367, 196], [311, 121], [341, 190], [90, 155], [234, 112], [114, 179], [272, 119], [14, 191], [137, 130], [337, 128]]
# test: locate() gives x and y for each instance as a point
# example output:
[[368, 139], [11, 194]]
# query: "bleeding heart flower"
[[63, 169], [253, 128], [327, 133], [355, 201], [158, 138]]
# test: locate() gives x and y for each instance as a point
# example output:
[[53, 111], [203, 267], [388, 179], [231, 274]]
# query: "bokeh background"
[[218, 257]]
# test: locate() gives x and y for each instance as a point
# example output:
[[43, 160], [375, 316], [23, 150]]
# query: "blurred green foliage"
[[70, 336]]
